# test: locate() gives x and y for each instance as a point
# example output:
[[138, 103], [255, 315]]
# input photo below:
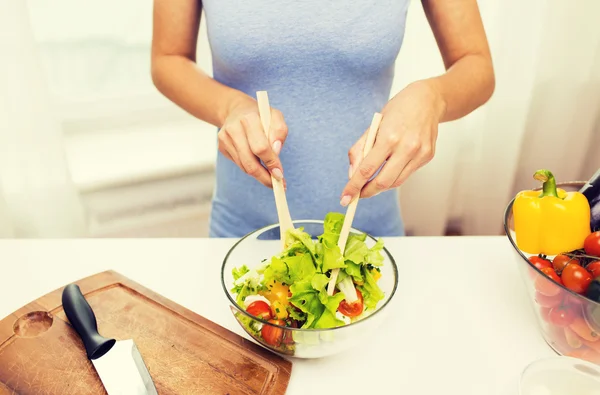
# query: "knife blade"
[[118, 363]]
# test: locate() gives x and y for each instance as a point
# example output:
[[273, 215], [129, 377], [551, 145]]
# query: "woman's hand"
[[405, 142], [242, 140]]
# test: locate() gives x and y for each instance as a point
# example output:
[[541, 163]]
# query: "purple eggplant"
[[591, 190]]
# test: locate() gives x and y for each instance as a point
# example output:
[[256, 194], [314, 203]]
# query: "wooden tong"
[[283, 212], [345, 232]]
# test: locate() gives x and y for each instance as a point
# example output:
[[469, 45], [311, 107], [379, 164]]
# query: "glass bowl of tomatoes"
[[564, 291], [258, 315]]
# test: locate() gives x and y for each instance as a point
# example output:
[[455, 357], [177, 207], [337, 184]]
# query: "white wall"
[[544, 113]]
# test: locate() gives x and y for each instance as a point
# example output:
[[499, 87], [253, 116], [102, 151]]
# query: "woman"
[[327, 67]]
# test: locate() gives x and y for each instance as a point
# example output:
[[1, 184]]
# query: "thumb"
[[355, 154], [278, 132]]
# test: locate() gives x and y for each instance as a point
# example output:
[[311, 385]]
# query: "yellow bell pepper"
[[552, 221]]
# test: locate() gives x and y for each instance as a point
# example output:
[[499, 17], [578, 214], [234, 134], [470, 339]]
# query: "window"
[[96, 58]]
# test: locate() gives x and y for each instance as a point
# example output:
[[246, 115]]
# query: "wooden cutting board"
[[185, 353]]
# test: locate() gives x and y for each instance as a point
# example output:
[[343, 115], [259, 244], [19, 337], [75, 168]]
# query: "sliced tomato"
[[271, 334], [594, 268], [547, 285], [591, 244], [260, 309], [576, 278], [352, 309]]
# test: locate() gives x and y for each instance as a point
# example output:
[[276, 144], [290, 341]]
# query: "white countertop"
[[462, 322]]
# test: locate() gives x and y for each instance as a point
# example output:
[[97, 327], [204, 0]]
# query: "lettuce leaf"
[[332, 257], [370, 290], [306, 299], [374, 256], [247, 284], [300, 267], [238, 273]]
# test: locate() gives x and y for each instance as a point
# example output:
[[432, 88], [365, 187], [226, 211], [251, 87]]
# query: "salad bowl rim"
[[263, 229], [507, 230]]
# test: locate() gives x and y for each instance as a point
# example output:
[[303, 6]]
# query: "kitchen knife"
[[118, 363]]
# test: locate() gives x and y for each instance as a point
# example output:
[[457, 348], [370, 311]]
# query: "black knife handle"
[[82, 318]]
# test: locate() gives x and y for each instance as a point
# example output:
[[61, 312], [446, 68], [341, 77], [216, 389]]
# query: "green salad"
[[290, 289]]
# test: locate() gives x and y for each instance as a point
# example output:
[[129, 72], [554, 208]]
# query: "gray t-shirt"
[[328, 65]]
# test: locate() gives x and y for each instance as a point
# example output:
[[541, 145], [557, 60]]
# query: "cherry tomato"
[[271, 334], [561, 261], [539, 262], [352, 309], [562, 315], [594, 268], [544, 285], [548, 301], [576, 278], [260, 309], [591, 244]]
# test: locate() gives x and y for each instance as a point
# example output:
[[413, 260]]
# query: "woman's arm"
[[407, 136], [174, 70], [469, 79], [175, 74]]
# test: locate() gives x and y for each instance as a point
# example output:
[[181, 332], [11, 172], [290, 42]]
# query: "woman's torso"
[[328, 66]]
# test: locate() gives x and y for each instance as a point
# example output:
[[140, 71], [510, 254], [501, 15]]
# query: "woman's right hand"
[[242, 140]]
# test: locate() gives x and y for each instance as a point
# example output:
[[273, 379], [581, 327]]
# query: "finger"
[[365, 170], [425, 156], [278, 132], [409, 169], [387, 176], [259, 145], [227, 148], [355, 154], [249, 162]]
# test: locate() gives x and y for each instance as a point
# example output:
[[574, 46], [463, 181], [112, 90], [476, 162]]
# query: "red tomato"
[[539, 263], [260, 309], [352, 309], [561, 261], [561, 315], [594, 268], [548, 301], [271, 334], [543, 284], [576, 278], [591, 244]]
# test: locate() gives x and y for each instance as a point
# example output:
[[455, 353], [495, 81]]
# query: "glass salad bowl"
[[263, 244], [569, 322]]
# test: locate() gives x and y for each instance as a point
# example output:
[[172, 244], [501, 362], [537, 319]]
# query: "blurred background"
[[89, 148]]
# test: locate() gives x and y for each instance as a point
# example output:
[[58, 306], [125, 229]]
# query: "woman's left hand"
[[405, 142]]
